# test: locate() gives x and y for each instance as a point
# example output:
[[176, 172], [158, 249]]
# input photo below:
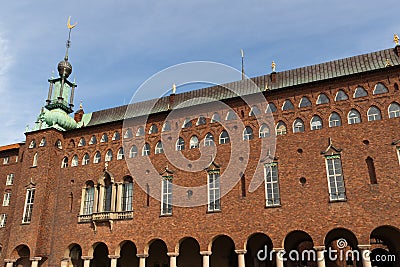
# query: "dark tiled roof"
[[333, 69]]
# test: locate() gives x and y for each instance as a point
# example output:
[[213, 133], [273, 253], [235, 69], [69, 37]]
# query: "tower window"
[[6, 160], [86, 159], [89, 198], [133, 152], [380, 88], [322, 99], [180, 144], [159, 148], [254, 111], [104, 138], [32, 144], [360, 92], [316, 123], [304, 102], [166, 127], [153, 129], [281, 128], [341, 96], [116, 136], [140, 131], [82, 142], [335, 178], [194, 142], [166, 191], [272, 197], [213, 186], [97, 157], [231, 115], [354, 117], [201, 120], [287, 105], [187, 123], [146, 150], [3, 220], [209, 140], [93, 140], [394, 110], [298, 126], [127, 194], [10, 179], [120, 154], [128, 133], [74, 162], [371, 170], [248, 134], [215, 118], [29, 199], [64, 163], [109, 155], [6, 199], [335, 120], [264, 131], [42, 142], [271, 108], [374, 114], [224, 137]]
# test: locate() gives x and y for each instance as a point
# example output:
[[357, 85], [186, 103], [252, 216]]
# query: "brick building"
[[313, 166]]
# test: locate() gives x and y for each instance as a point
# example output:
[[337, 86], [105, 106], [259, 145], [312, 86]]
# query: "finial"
[[396, 39], [388, 64], [174, 88], [242, 53], [70, 27], [266, 87], [273, 66], [52, 74], [81, 106]]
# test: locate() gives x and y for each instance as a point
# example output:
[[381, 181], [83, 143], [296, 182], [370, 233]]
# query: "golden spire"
[[174, 88], [396, 39], [69, 23], [81, 106], [273, 66]]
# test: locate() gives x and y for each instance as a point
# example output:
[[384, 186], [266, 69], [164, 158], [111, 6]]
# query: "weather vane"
[[396, 39], [70, 27]]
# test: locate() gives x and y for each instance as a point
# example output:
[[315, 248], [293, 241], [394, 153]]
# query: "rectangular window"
[[127, 196], [30, 197], [272, 197], [6, 198], [89, 200], [213, 186], [335, 178], [10, 179], [3, 220], [166, 198], [6, 160]]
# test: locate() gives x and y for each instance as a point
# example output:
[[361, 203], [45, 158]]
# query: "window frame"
[[335, 123], [3, 220], [10, 179], [180, 144], [127, 196], [377, 116], [28, 206], [159, 149], [6, 198], [166, 195], [213, 191], [88, 203], [270, 184], [334, 178], [226, 139]]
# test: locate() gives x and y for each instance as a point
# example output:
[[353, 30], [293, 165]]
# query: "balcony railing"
[[105, 216]]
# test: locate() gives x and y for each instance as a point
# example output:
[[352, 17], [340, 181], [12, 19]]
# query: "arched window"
[[159, 148], [93, 140], [86, 159], [280, 128], [64, 162], [166, 126], [380, 88], [153, 129], [374, 114], [97, 157], [71, 143], [341, 96], [127, 194], [116, 136], [322, 99], [59, 144], [209, 140], [287, 105], [89, 198], [82, 142], [264, 131], [360, 92], [180, 144], [75, 160], [120, 154], [248, 133], [128, 133], [32, 144], [42, 142], [254, 111], [109, 155], [304, 102], [335, 120], [108, 191], [133, 152], [224, 137], [140, 131], [104, 138], [215, 118], [187, 123], [146, 150], [298, 126], [354, 117], [231, 115], [316, 123], [394, 110], [194, 142], [201, 120], [271, 108]]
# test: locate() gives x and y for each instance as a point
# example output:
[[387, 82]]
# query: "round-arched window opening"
[[303, 181], [299, 150], [366, 142]]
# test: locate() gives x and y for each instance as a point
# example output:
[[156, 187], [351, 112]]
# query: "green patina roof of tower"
[[295, 77]]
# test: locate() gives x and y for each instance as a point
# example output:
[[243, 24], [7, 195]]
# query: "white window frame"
[[93, 140], [213, 191], [335, 178], [97, 157], [10, 179], [28, 207], [180, 145], [316, 123], [146, 150], [82, 142], [194, 142], [116, 136], [104, 138], [85, 159], [159, 148], [166, 195], [376, 116], [281, 131], [247, 136], [89, 200], [224, 140], [297, 128], [133, 153], [398, 153], [335, 122], [354, 119], [75, 161], [127, 196], [120, 154], [109, 156], [264, 131], [271, 182], [209, 140], [42, 142], [6, 160], [6, 199], [395, 113], [3, 220]]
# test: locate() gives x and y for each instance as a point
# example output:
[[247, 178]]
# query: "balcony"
[[105, 216]]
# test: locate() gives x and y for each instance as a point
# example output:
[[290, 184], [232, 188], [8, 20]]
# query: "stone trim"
[[240, 251], [113, 256], [144, 255], [86, 258], [205, 253], [35, 259], [172, 254]]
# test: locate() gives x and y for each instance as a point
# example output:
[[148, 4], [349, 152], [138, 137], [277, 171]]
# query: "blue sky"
[[118, 45]]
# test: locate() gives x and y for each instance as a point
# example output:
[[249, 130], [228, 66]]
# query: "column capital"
[[9, 260], [172, 254], [144, 255], [319, 248], [113, 256], [205, 253], [65, 259], [86, 258], [364, 247], [278, 249], [35, 259], [240, 251]]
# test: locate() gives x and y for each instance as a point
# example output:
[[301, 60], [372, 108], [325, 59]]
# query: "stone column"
[[320, 255], [83, 200], [86, 260], [206, 258], [96, 200], [172, 258], [65, 262], [279, 257], [35, 261], [100, 206], [365, 255], [114, 260], [142, 259], [113, 197], [10, 262], [241, 261], [119, 197]]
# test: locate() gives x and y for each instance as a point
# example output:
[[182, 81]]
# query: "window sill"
[[165, 215], [213, 211], [25, 223], [273, 206], [337, 200], [33, 167]]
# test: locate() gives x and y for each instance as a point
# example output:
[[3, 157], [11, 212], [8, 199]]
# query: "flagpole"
[[241, 50]]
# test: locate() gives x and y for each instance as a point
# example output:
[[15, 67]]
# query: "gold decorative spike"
[[69, 23], [273, 66], [266, 87], [80, 105], [174, 88], [396, 39], [388, 64]]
